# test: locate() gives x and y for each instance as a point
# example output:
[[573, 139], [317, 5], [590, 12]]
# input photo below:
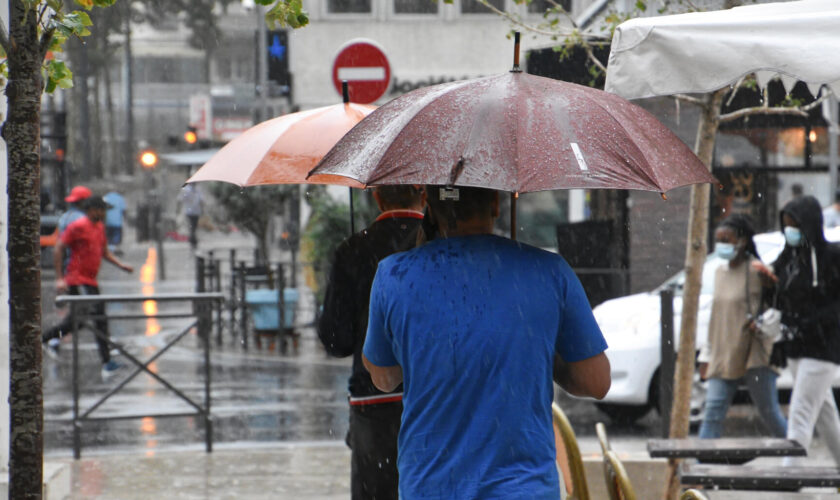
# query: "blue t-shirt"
[[474, 322], [114, 215]]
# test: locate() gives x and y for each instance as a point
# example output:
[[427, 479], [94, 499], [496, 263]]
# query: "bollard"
[[668, 358]]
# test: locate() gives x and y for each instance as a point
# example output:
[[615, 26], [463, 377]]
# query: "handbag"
[[769, 324]]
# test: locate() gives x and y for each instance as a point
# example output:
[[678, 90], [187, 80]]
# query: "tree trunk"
[[22, 134], [695, 257]]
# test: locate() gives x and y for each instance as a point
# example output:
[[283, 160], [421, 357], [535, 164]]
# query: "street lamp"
[[148, 159]]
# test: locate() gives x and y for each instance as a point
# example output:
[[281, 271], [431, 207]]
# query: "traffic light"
[[148, 159], [191, 136], [277, 48]]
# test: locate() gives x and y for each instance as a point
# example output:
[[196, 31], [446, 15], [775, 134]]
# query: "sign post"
[[364, 65]]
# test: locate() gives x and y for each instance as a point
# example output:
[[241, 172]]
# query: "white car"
[[631, 326]]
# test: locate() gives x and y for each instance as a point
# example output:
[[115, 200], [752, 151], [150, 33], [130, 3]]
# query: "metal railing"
[[202, 308]]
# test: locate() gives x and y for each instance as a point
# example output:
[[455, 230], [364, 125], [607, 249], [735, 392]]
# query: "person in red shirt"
[[85, 238]]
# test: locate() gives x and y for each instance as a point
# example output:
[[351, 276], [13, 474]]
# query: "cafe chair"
[[693, 494], [579, 490], [618, 482], [601, 431]]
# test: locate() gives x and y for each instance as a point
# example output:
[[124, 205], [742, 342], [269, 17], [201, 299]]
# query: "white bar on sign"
[[363, 74], [579, 156]]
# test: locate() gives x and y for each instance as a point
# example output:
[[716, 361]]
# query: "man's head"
[[463, 210], [399, 197], [78, 194], [95, 208]]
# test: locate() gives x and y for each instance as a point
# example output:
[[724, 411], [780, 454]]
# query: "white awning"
[[189, 158], [705, 51]]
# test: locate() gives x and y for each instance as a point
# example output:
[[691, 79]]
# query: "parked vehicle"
[[631, 325]]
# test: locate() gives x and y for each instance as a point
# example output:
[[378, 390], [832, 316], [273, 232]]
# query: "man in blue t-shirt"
[[474, 325]]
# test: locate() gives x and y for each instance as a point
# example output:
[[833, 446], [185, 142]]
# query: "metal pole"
[[513, 197], [281, 301], [352, 213], [217, 272], [84, 112], [668, 359], [243, 320], [128, 82], [77, 431], [831, 114], [208, 421], [262, 65], [232, 298]]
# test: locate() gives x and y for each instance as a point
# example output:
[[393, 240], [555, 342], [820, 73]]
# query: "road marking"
[[579, 157], [362, 73]]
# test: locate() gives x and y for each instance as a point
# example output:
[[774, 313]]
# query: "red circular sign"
[[365, 67]]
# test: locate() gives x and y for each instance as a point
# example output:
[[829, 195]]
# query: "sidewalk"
[[305, 471]]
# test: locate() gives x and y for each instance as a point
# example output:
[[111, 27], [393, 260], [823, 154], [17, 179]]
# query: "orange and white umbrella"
[[283, 150]]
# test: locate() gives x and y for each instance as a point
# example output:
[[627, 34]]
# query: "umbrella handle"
[[516, 68], [345, 91]]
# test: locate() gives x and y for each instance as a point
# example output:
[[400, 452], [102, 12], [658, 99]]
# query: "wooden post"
[[695, 258]]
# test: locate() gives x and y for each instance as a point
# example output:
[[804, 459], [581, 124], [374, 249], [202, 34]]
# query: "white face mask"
[[793, 236]]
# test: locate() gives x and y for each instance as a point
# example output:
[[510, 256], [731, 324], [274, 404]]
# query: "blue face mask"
[[793, 236], [725, 251]]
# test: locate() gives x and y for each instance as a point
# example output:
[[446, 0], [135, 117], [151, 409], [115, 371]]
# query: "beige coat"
[[732, 349]]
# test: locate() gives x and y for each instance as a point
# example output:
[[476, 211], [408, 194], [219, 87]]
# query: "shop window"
[[415, 7], [348, 6], [540, 6], [476, 7]]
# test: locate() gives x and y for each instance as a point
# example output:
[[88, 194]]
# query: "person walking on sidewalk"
[[475, 325], [374, 415], [191, 202], [86, 239], [808, 288], [735, 352], [75, 209]]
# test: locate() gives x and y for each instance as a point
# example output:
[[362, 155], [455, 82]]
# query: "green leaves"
[[57, 75], [285, 13], [72, 23]]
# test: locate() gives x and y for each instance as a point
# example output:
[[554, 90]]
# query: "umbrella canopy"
[[283, 150], [514, 132], [706, 51]]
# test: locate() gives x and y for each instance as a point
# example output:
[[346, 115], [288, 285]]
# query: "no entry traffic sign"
[[365, 67]]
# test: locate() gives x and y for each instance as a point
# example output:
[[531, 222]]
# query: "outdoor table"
[[724, 450], [745, 477], [767, 495]]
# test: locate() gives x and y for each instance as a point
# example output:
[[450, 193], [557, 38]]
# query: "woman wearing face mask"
[[734, 353], [808, 288]]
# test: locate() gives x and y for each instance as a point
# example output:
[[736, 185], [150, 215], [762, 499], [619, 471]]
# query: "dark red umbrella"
[[514, 132]]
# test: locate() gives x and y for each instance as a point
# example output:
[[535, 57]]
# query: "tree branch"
[[44, 43], [735, 90], [688, 99], [761, 110], [766, 110], [534, 29]]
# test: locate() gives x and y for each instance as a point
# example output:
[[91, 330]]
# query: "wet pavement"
[[279, 416]]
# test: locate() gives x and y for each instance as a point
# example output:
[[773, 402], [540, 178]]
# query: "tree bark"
[[22, 134], [695, 257]]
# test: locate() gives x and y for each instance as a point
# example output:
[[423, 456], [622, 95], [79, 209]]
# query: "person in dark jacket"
[[808, 294], [374, 415]]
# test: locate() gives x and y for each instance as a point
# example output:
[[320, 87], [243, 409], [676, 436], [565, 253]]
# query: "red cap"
[[78, 193]]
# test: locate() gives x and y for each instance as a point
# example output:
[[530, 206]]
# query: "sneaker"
[[51, 348], [109, 369]]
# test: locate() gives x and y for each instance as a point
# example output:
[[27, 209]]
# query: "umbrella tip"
[[516, 68], [345, 91], [664, 196]]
